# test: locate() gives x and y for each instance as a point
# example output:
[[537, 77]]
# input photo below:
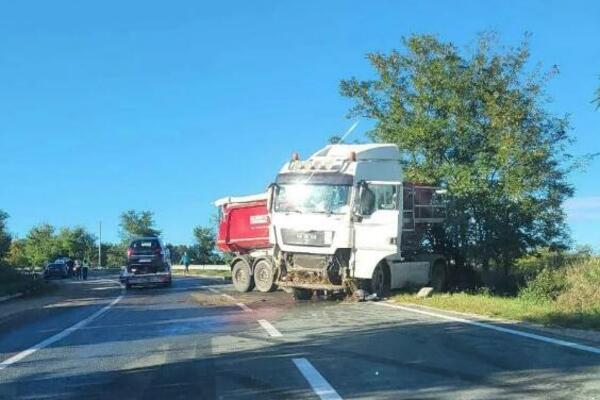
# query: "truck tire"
[[264, 276], [302, 294], [380, 281], [241, 276], [438, 276]]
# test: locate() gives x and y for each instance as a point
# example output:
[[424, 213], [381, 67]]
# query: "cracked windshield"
[[306, 199]]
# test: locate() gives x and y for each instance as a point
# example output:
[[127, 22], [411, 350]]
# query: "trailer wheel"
[[302, 294], [264, 278], [438, 276], [241, 276], [380, 281]]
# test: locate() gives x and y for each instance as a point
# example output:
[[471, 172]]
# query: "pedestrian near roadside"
[[77, 270], [185, 260], [84, 271]]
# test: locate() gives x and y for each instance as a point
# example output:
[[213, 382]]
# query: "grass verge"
[[513, 308], [13, 282]]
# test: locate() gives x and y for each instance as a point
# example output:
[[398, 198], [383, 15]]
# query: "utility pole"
[[100, 244]]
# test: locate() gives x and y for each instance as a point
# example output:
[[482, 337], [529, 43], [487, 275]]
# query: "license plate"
[[145, 260]]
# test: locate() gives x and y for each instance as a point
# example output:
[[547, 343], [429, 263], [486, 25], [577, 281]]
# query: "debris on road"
[[425, 292]]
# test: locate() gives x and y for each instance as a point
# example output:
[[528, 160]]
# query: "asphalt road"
[[201, 340]]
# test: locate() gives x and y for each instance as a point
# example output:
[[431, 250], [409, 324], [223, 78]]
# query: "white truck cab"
[[339, 217]]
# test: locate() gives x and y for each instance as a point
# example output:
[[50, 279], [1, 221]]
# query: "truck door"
[[376, 233]]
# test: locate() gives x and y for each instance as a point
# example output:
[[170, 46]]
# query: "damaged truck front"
[[343, 219]]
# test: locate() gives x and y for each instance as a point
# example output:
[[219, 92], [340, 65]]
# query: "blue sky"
[[167, 106]]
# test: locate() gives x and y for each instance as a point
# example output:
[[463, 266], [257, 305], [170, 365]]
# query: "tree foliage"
[[5, 237], [477, 124], [204, 246], [134, 223]]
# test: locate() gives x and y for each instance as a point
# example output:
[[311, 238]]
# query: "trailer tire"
[[438, 276], [380, 281], [302, 294], [241, 276], [264, 276]]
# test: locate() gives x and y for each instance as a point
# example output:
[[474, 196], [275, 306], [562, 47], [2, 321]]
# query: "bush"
[[582, 290], [546, 286], [11, 281]]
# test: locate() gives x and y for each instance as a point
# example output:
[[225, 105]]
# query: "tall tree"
[[76, 243], [204, 248], [134, 223], [41, 245], [477, 124], [5, 237]]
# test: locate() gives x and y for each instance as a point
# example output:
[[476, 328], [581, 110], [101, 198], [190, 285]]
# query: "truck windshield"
[[306, 198]]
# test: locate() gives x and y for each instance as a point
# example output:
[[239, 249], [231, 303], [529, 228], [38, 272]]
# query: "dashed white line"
[[321, 387], [61, 335], [534, 336], [271, 330], [244, 307]]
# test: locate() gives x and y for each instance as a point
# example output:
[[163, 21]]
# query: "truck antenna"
[[348, 132]]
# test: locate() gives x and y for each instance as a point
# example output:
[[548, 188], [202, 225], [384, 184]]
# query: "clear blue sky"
[[168, 106]]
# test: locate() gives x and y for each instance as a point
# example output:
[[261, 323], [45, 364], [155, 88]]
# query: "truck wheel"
[[380, 281], [264, 278], [241, 277], [438, 276], [302, 294]]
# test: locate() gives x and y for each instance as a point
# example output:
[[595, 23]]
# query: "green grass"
[[513, 308], [205, 272]]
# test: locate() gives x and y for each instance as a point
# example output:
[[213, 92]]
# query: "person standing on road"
[[185, 260], [84, 271], [77, 270]]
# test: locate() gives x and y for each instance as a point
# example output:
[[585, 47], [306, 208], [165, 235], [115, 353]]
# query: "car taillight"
[[129, 252]]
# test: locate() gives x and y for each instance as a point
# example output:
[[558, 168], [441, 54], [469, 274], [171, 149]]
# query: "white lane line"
[[534, 336], [212, 290], [244, 307], [228, 297], [61, 335], [321, 387], [271, 330]]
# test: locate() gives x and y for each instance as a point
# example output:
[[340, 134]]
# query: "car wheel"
[[241, 276], [264, 278], [380, 281]]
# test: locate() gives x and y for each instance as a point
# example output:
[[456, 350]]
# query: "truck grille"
[[303, 238]]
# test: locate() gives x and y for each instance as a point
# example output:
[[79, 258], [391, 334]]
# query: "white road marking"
[[271, 330], [321, 387], [61, 335], [228, 297], [244, 307], [533, 336], [213, 290]]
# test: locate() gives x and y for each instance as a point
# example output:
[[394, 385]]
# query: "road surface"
[[201, 340]]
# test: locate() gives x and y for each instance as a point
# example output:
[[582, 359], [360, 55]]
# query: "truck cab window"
[[378, 197]]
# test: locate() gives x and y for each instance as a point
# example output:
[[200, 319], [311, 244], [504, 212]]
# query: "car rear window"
[[144, 244]]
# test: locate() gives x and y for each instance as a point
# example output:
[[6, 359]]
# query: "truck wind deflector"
[[316, 178]]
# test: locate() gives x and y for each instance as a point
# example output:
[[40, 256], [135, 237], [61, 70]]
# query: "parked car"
[[56, 270], [148, 263]]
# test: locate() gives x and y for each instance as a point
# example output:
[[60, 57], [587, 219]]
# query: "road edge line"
[[534, 336], [317, 382]]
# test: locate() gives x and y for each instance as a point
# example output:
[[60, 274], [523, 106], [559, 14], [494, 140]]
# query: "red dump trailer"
[[243, 224]]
